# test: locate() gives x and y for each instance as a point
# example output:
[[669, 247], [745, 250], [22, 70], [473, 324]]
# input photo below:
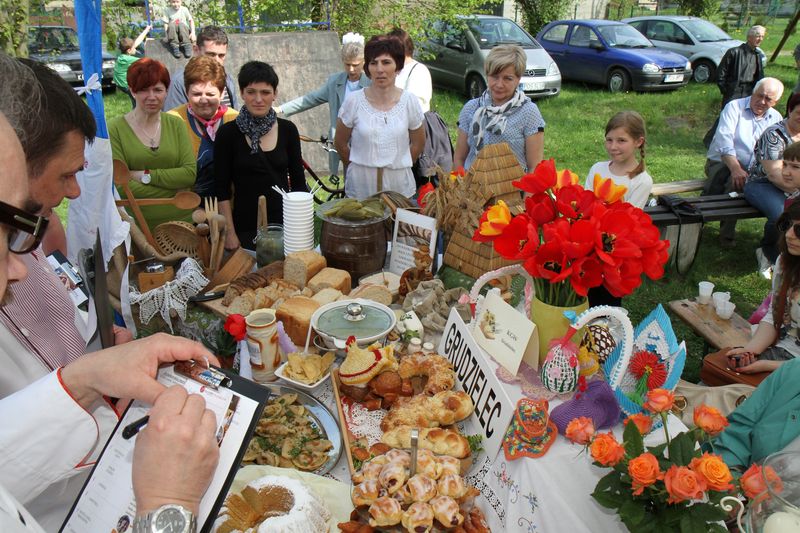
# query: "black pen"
[[133, 428]]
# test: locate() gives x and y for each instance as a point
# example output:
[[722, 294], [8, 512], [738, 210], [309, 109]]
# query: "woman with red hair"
[[145, 139]]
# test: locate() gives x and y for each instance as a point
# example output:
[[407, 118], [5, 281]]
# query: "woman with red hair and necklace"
[[145, 139]]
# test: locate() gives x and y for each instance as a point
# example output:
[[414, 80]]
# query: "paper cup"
[[705, 288], [720, 297], [725, 310]]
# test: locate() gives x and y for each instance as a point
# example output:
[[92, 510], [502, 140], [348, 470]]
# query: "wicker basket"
[[176, 237]]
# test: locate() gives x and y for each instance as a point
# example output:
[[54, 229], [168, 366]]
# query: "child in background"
[[625, 134], [179, 29], [791, 172], [127, 57]]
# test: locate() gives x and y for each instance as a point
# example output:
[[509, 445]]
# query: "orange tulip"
[[643, 422], [606, 450], [644, 471], [497, 218], [709, 419], [659, 401], [564, 178], [683, 484], [714, 471], [607, 190]]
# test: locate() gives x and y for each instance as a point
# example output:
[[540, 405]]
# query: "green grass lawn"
[[676, 122]]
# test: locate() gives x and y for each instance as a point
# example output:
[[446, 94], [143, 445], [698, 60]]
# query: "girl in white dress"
[[379, 132]]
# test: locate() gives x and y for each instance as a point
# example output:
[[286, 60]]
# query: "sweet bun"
[[418, 518], [385, 511], [446, 511], [367, 492]]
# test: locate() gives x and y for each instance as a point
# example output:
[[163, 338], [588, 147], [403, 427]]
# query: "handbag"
[[724, 398]]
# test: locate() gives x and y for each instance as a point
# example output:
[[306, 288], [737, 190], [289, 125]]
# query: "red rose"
[[236, 327]]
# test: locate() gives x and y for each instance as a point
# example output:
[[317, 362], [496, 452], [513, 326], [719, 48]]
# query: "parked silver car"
[[698, 39], [455, 56]]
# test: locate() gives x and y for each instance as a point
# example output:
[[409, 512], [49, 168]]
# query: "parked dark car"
[[613, 54], [698, 39], [455, 56], [57, 47]]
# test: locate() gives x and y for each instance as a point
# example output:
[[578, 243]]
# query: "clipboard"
[[106, 497]]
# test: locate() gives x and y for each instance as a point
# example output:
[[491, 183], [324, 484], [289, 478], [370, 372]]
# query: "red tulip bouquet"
[[571, 239]]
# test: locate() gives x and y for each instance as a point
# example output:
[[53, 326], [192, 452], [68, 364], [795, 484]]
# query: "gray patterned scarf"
[[255, 127], [493, 118]]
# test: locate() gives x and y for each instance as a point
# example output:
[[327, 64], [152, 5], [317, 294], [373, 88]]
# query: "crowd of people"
[[187, 130]]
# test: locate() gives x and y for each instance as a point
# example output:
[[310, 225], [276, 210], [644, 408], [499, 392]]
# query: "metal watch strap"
[[146, 523]]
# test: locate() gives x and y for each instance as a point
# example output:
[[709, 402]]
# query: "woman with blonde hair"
[[334, 92], [502, 113]]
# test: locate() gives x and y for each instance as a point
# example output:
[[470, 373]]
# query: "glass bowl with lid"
[[365, 320]]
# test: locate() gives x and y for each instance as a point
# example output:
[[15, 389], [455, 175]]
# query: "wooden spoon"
[[122, 176], [181, 200], [203, 247], [262, 212]]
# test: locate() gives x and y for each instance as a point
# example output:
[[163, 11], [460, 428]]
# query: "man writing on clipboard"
[[53, 424]]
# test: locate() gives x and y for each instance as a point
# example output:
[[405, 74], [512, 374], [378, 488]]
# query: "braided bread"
[[441, 376], [438, 440], [441, 409]]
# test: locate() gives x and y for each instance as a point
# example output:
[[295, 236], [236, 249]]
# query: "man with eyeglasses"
[[741, 123], [212, 41], [55, 423]]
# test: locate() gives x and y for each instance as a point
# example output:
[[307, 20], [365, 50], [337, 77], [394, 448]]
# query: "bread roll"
[[295, 313], [438, 440], [331, 277], [300, 267], [376, 293], [327, 295]]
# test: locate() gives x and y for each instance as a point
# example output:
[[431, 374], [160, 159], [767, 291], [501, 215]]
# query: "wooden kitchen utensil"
[[122, 176]]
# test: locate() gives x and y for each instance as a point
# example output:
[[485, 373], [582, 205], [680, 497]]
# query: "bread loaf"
[[295, 313], [327, 295], [438, 440], [331, 277], [260, 278], [376, 293], [300, 267]]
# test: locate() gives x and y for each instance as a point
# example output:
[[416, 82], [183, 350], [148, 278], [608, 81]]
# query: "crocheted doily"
[[362, 422], [173, 295]]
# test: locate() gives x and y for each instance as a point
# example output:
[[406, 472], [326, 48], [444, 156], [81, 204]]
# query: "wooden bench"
[[713, 208], [677, 187]]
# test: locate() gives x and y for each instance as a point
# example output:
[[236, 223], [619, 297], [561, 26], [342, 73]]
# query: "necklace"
[[151, 138]]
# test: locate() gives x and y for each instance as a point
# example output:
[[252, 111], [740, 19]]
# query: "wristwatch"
[[146, 177], [166, 519]]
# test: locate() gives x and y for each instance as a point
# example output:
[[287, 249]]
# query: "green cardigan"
[[766, 422], [172, 166]]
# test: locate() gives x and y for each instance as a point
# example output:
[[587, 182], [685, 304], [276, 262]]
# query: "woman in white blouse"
[[379, 132]]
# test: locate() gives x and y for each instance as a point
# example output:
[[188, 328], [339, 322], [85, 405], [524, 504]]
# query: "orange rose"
[[644, 471], [642, 422], [580, 430], [754, 485], [683, 484], [709, 419], [659, 401], [714, 471], [606, 450]]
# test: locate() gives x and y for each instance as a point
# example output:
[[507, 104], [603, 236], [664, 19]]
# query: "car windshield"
[[623, 36], [491, 32], [43, 39], [704, 31]]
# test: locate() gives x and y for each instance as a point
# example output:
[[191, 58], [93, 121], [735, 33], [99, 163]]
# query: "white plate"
[[300, 384]]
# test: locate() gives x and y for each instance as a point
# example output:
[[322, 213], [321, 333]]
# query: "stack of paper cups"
[[298, 222]]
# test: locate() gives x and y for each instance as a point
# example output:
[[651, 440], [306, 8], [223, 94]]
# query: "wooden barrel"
[[359, 248]]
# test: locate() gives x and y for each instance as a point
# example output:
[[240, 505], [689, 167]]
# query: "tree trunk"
[[14, 27]]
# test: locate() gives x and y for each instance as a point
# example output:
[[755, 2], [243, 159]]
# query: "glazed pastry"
[[448, 465], [385, 511], [399, 456], [403, 496], [418, 518], [367, 492], [446, 511], [421, 488], [370, 470], [438, 369], [392, 477], [451, 485], [427, 465]]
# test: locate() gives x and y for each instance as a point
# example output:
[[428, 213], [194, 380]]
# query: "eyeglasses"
[[784, 225], [26, 228]]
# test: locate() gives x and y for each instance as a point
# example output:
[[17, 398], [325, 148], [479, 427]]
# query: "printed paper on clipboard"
[[107, 496]]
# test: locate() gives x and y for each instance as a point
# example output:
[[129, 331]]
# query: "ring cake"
[[273, 503]]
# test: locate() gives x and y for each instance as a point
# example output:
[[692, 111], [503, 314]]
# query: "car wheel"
[[475, 86], [618, 81], [704, 72]]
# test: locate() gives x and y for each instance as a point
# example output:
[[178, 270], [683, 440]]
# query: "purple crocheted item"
[[597, 402]]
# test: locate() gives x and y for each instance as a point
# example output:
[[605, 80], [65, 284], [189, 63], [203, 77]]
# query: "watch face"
[[170, 521]]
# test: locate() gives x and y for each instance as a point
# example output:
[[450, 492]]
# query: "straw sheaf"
[[493, 171], [473, 258]]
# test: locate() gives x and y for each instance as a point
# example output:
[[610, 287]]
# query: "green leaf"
[[681, 449], [658, 451], [608, 500], [633, 511], [634, 443], [707, 512], [606, 482], [689, 525]]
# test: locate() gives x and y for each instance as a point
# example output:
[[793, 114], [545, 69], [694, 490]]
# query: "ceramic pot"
[[552, 324]]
